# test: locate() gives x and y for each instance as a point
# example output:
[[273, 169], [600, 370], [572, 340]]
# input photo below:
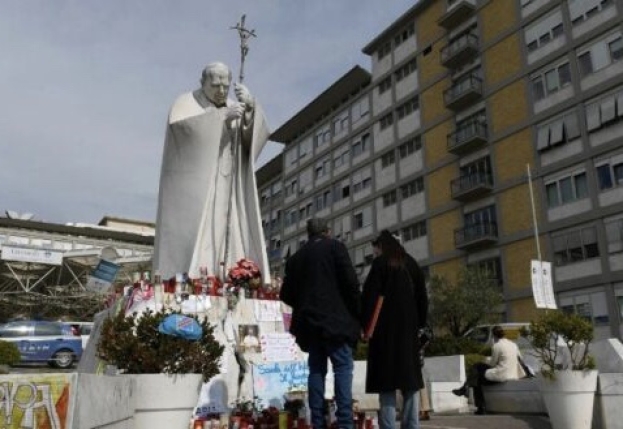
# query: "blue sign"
[[105, 271], [272, 380]]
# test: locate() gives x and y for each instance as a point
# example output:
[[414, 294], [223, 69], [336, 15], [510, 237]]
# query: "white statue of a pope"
[[202, 171]]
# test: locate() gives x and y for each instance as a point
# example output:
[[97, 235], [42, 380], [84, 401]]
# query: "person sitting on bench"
[[503, 365]]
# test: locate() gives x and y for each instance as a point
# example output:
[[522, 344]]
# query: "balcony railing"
[[463, 92], [468, 136], [471, 185], [458, 11], [459, 51], [475, 235]]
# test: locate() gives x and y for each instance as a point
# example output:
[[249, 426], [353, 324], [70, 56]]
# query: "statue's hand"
[[234, 112], [244, 96]]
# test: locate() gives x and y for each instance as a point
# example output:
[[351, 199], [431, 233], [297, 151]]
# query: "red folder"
[[375, 318]]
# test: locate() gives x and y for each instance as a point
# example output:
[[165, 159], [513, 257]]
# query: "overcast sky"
[[85, 86]]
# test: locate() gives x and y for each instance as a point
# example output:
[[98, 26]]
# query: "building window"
[[558, 132], [614, 235], [414, 231], [404, 35], [363, 184], [387, 120], [409, 147], [323, 200], [305, 148], [322, 168], [551, 81], [582, 10], [291, 188], [360, 109], [492, 268], [388, 159], [414, 187], [389, 198], [341, 159], [408, 107], [322, 136], [406, 70], [610, 175], [361, 145], [566, 190], [340, 123], [385, 85], [362, 218], [601, 54], [544, 31], [384, 50], [575, 246], [291, 156], [604, 112]]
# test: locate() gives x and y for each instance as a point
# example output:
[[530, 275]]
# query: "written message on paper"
[[278, 347]]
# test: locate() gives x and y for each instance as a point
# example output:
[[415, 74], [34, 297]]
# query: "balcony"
[[459, 51], [471, 186], [463, 92], [468, 136], [458, 11], [476, 235]]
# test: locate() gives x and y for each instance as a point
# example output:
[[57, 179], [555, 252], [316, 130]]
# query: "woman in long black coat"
[[393, 353]]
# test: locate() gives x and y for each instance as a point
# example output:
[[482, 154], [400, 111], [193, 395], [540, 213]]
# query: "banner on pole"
[[542, 286]]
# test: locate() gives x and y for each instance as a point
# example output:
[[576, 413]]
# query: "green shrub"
[[134, 344], [449, 345], [9, 353]]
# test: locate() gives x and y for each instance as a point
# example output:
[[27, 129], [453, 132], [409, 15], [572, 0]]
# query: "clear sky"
[[86, 86]]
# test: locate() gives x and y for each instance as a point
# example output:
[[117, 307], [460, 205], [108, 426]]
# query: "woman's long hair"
[[391, 248]]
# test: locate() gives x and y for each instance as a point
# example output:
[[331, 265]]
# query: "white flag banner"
[[542, 286]]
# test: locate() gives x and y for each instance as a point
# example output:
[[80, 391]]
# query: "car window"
[[479, 334], [85, 329], [12, 330], [44, 329]]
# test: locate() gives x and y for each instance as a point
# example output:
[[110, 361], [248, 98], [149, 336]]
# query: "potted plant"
[[568, 379], [9, 356], [169, 370]]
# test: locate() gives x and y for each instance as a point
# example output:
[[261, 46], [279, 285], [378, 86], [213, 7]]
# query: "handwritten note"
[[267, 310], [271, 381], [278, 347]]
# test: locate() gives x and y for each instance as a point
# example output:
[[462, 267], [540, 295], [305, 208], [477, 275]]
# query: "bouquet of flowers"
[[244, 276]]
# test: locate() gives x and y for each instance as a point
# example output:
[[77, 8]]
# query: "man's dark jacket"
[[322, 288]]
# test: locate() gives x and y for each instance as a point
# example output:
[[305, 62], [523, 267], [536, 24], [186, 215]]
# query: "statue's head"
[[215, 81]]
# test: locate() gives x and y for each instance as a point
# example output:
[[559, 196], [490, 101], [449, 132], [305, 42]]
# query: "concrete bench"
[[515, 397]]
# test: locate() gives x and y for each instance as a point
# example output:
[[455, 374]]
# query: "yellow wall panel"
[[496, 17], [441, 232], [431, 102], [517, 257], [448, 269], [512, 155], [522, 310], [503, 60], [508, 107], [436, 143], [426, 26], [439, 185], [515, 210]]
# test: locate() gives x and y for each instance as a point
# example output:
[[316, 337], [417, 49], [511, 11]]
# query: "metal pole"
[[244, 35], [534, 221]]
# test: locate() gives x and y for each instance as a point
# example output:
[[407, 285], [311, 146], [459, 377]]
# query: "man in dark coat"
[[393, 351], [322, 288]]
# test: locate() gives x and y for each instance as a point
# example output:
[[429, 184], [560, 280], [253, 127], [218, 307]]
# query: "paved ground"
[[499, 421]]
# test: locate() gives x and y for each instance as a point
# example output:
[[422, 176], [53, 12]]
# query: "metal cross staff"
[[245, 35]]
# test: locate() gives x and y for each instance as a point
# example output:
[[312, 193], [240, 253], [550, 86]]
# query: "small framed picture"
[[249, 336]]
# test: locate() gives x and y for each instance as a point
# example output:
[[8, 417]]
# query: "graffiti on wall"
[[37, 402]]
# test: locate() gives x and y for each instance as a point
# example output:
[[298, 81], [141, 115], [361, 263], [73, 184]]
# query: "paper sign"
[[278, 347], [542, 287], [267, 310], [272, 380]]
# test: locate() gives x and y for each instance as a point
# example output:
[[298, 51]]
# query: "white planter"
[[165, 401], [569, 398]]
